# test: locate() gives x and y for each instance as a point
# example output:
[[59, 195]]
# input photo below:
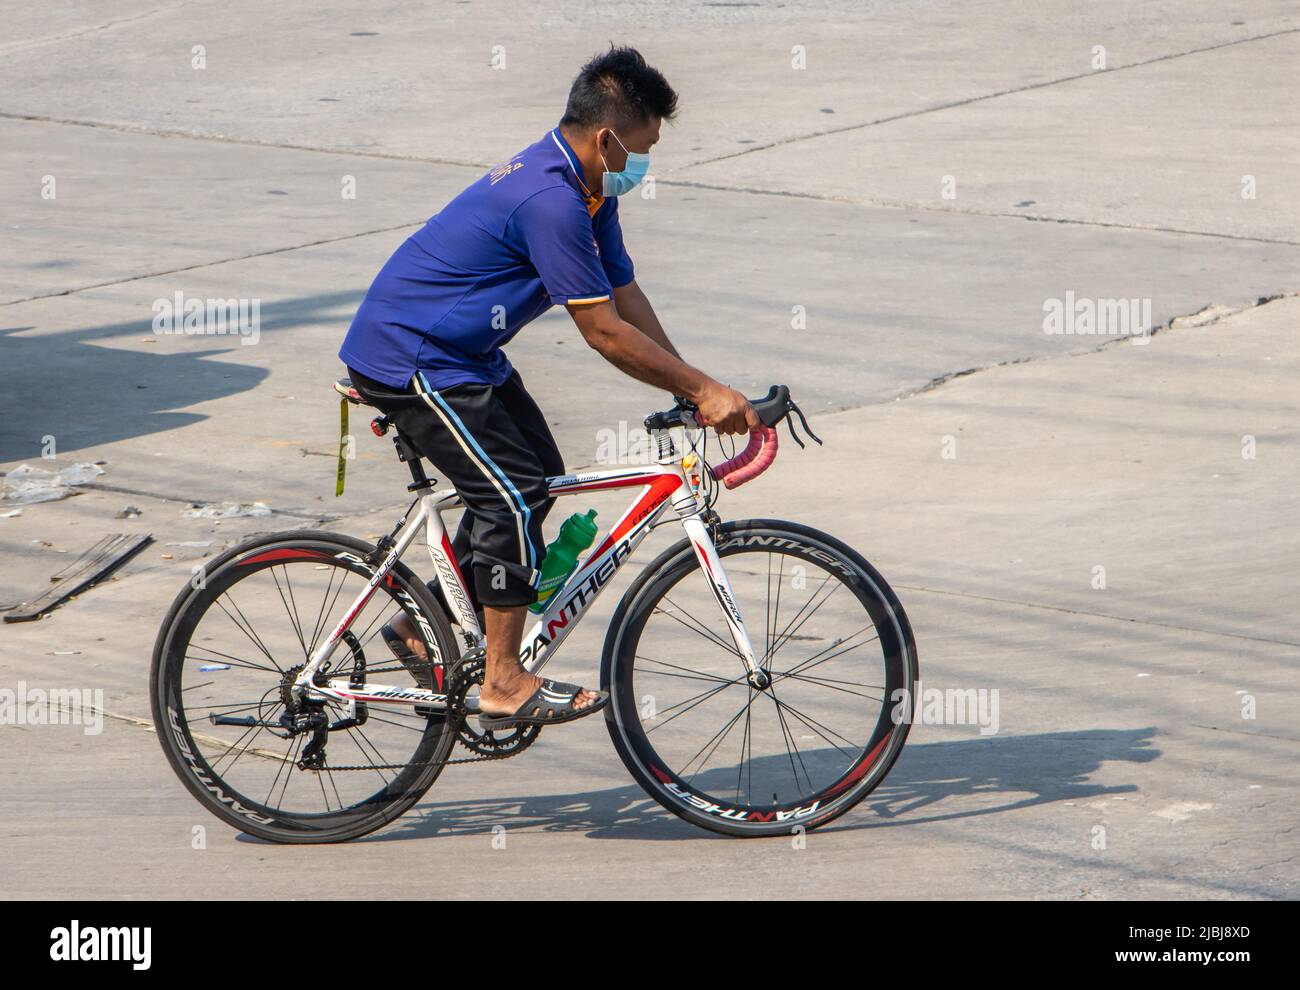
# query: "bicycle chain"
[[468, 664], [426, 763]]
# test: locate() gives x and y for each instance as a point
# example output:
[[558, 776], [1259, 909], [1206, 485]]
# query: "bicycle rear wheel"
[[740, 761], [226, 654]]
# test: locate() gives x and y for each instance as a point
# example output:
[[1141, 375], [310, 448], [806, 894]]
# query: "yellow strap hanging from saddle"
[[343, 447]]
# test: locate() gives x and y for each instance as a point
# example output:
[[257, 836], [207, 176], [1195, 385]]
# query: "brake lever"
[[804, 422], [790, 423]]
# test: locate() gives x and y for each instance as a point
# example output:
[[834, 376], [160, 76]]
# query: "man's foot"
[[505, 697], [405, 631], [409, 649], [551, 703]]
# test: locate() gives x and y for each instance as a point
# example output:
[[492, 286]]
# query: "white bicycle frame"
[[667, 483]]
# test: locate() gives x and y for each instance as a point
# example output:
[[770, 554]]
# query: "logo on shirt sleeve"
[[499, 172]]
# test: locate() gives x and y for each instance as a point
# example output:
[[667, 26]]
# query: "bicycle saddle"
[[345, 388]]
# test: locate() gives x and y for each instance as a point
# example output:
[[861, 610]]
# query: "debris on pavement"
[[225, 510], [130, 512], [93, 566], [25, 485]]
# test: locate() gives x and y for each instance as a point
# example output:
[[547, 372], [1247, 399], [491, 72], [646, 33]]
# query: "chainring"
[[489, 744]]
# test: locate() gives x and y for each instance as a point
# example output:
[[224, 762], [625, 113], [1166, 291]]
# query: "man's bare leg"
[[506, 685]]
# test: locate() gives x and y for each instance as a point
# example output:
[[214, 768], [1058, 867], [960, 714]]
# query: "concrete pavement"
[[989, 500]]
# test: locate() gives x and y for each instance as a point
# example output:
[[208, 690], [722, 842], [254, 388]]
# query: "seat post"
[[411, 458]]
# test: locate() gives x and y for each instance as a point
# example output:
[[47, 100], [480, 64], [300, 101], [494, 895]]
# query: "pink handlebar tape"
[[750, 462]]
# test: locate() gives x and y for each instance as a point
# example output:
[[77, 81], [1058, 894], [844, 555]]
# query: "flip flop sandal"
[[421, 670], [550, 704]]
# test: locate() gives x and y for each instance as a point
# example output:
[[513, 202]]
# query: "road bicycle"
[[282, 709]]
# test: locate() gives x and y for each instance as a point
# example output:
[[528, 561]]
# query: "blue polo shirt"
[[526, 236]]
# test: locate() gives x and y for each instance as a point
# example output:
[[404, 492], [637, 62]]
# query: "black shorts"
[[493, 445]]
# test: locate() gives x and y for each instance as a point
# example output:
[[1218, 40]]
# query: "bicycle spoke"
[[692, 674], [379, 757], [246, 631], [229, 658], [699, 627], [789, 743], [789, 635], [292, 766], [719, 736], [744, 739], [830, 685], [327, 607], [232, 661], [811, 662], [291, 612], [320, 779], [705, 696], [768, 634], [292, 748], [811, 723], [775, 646]]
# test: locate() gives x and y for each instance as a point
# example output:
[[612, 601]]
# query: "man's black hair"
[[618, 87]]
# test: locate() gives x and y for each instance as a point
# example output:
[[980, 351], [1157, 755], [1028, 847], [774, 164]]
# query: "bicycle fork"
[[697, 531]]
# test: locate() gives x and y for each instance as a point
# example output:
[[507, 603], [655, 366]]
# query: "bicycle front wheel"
[[728, 757]]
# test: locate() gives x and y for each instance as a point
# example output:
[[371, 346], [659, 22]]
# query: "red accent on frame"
[[704, 557], [631, 481], [561, 623], [660, 488], [451, 555]]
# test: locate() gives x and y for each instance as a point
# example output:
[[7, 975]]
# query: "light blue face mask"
[[617, 183]]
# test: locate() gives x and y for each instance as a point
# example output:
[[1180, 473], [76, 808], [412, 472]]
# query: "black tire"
[[431, 735], [723, 813]]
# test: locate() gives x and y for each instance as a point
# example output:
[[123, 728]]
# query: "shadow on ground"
[[84, 394], [1003, 774]]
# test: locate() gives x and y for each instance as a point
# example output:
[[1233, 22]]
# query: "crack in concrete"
[[991, 96], [1102, 615], [213, 264], [1211, 312], [962, 211], [141, 129], [149, 726], [54, 39], [1243, 732], [316, 517]]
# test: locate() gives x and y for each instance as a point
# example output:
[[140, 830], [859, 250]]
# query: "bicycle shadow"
[[1037, 769]]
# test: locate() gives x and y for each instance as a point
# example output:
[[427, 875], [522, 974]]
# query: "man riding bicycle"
[[539, 230]]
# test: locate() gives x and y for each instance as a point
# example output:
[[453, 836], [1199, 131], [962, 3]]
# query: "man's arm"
[[635, 308], [637, 354]]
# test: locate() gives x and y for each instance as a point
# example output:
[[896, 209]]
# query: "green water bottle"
[[577, 533]]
